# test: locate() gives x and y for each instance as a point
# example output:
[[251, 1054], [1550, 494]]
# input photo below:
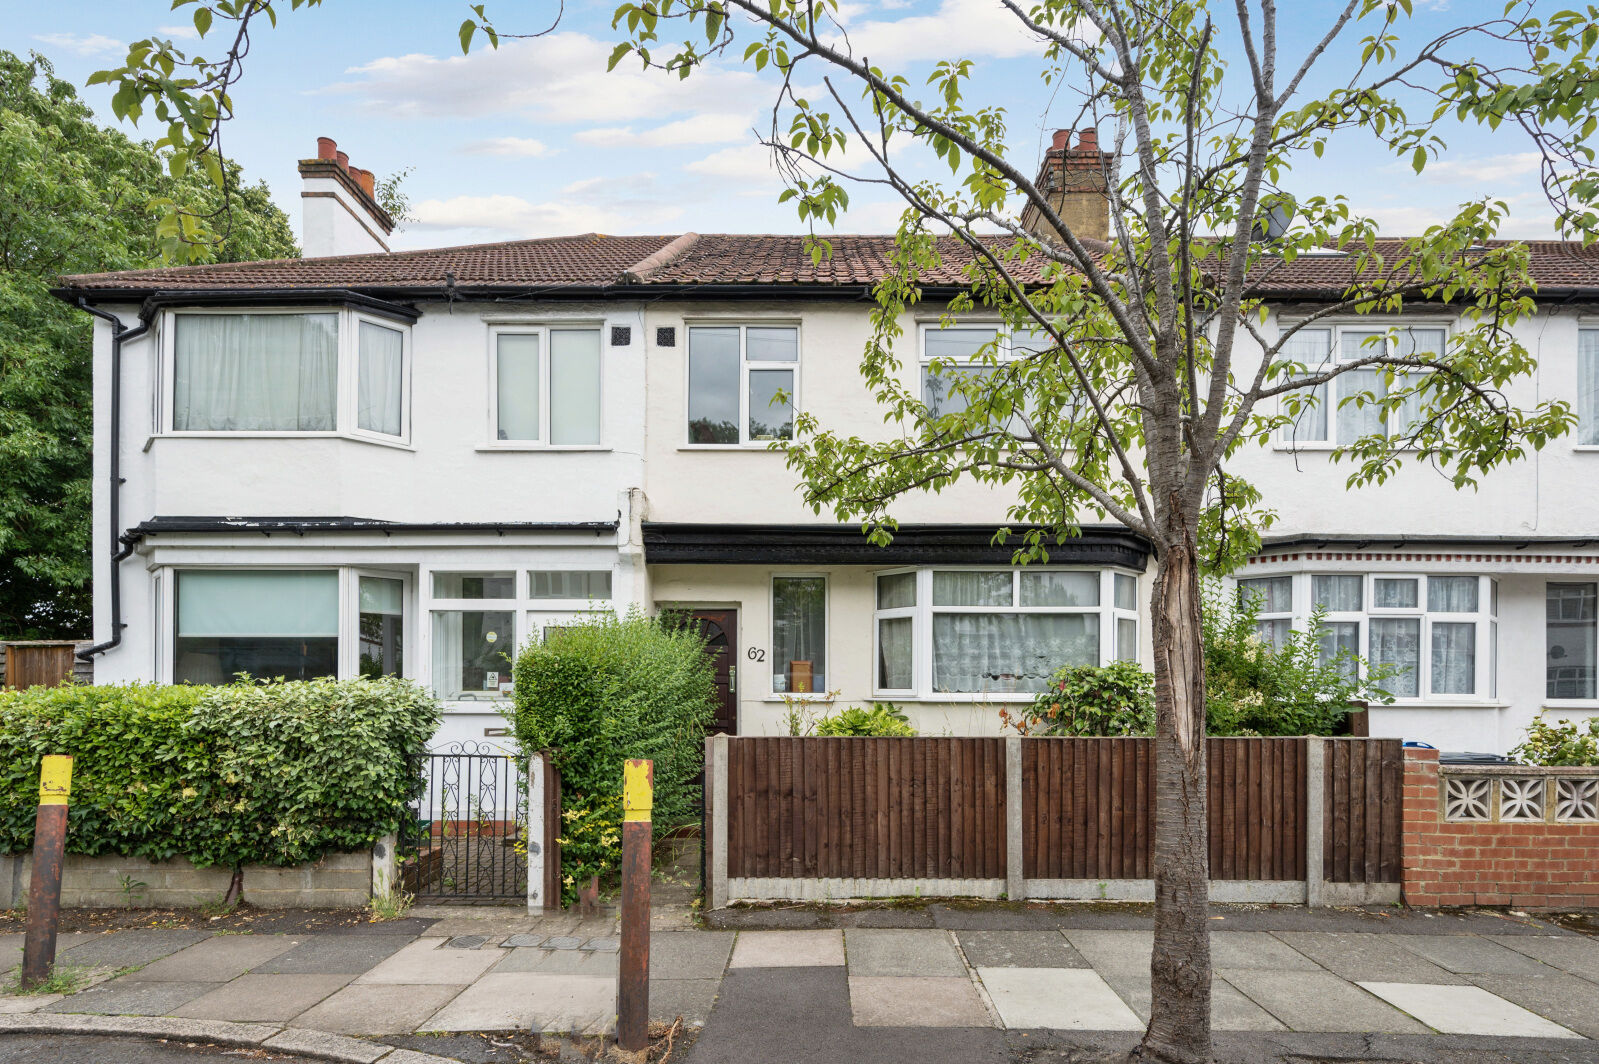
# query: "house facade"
[[376, 462]]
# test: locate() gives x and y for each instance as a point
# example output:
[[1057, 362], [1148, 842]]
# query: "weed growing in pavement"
[[63, 979], [391, 906]]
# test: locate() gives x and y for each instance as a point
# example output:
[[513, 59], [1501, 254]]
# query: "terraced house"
[[413, 462]]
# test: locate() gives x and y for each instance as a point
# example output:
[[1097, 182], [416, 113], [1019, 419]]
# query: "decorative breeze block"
[[1576, 799], [1521, 799], [1466, 799]]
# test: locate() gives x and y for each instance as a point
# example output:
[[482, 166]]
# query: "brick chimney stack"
[[339, 212], [1074, 180]]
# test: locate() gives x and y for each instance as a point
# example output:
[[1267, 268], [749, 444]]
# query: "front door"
[[721, 641]]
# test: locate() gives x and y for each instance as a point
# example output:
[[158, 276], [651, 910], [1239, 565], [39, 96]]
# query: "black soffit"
[[685, 544]]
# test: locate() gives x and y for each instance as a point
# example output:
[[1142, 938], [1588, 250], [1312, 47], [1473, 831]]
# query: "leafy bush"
[[1115, 699], [247, 773], [884, 718], [609, 689], [1563, 743], [591, 843]]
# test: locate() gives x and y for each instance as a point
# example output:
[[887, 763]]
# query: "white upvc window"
[[285, 372], [950, 356], [799, 633], [1571, 634], [1330, 419], [743, 383], [970, 632], [545, 384], [1273, 597], [1588, 387]]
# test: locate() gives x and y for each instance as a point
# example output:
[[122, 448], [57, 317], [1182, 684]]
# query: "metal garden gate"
[[466, 841]]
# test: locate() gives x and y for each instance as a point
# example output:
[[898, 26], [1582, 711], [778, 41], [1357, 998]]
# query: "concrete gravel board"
[[1466, 1010], [1075, 999], [423, 961], [878, 953], [376, 1010], [262, 998], [907, 1001], [1318, 1001], [788, 949], [1018, 949], [216, 959]]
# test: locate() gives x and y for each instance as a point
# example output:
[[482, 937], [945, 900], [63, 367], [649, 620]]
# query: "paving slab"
[[11, 947], [124, 997], [690, 954], [788, 949], [603, 945], [389, 1008], [878, 953], [1318, 1001], [424, 961], [1075, 999], [1110, 950], [333, 955], [216, 959], [907, 1001], [1569, 1000], [559, 962], [1018, 949], [1354, 955], [1230, 1010], [1576, 954], [262, 998], [123, 949], [691, 999], [563, 942], [556, 1003], [1466, 1010], [1256, 949], [1471, 954], [20, 1004]]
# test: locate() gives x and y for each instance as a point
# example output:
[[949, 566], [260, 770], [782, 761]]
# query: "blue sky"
[[537, 139]]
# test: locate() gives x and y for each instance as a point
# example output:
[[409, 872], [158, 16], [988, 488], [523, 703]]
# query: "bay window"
[[1273, 599], [742, 383], [999, 631], [546, 385], [289, 372], [799, 634], [1342, 411], [1571, 632]]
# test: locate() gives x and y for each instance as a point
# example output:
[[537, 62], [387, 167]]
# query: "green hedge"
[[270, 773]]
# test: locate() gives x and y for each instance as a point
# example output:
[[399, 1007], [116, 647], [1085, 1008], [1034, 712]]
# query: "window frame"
[[827, 631], [542, 329], [1005, 352], [923, 611], [1285, 438], [350, 596], [1590, 327], [166, 606], [346, 399], [745, 364], [1568, 703]]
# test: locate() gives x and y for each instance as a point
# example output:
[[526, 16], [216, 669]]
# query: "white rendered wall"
[[333, 222]]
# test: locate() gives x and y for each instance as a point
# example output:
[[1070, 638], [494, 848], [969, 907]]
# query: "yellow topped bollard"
[[633, 983], [49, 849]]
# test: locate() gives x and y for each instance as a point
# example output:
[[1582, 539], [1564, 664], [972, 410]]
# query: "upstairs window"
[[1329, 418], [546, 384], [742, 382], [1588, 388], [952, 357], [291, 372]]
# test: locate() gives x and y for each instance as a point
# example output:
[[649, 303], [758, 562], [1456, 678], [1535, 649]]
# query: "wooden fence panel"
[[1361, 829], [37, 664]]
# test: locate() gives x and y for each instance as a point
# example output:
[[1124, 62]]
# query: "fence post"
[[716, 888], [385, 866], [537, 833], [1315, 818], [1015, 884], [49, 848], [633, 979]]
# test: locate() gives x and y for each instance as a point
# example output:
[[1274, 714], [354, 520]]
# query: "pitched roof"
[[598, 261]]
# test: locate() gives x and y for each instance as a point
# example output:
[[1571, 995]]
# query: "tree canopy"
[[75, 197]]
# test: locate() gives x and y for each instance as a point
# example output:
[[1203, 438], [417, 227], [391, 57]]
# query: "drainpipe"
[[120, 334]]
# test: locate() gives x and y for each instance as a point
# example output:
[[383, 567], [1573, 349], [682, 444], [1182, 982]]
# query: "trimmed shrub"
[[884, 718], [1566, 742], [608, 689], [1114, 699], [269, 773]]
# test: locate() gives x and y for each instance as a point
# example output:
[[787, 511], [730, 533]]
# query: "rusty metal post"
[[44, 892], [633, 984]]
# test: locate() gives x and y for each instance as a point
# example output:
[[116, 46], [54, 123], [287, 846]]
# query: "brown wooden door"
[[721, 640]]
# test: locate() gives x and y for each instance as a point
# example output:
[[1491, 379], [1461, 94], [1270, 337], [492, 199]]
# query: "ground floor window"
[[998, 631], [1572, 612], [264, 622], [799, 634]]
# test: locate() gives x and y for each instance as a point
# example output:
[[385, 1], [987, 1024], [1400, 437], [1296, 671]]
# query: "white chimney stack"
[[338, 209]]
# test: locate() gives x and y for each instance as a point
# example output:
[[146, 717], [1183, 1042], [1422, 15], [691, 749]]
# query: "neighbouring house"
[[412, 462]]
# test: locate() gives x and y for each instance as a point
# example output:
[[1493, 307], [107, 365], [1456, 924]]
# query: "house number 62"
[[755, 654]]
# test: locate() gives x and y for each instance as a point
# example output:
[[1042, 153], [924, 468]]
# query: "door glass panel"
[[381, 648], [472, 653]]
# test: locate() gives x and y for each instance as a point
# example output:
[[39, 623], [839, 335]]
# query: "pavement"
[[966, 984]]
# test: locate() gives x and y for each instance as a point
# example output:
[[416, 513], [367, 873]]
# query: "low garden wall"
[[1521, 836]]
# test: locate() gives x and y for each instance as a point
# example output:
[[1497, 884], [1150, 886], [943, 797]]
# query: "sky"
[[537, 139]]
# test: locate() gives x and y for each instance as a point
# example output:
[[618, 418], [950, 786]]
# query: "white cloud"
[[707, 128], [1484, 168], [560, 78], [188, 33], [626, 204], [960, 28], [746, 169], [82, 44], [517, 147], [1529, 219]]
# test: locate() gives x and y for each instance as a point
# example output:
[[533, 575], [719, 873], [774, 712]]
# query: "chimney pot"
[[1061, 140], [343, 159], [326, 147], [369, 183], [1088, 140]]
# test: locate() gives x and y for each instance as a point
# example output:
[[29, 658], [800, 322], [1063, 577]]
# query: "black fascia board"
[[667, 543], [395, 297], [151, 300], [1362, 540], [156, 526]]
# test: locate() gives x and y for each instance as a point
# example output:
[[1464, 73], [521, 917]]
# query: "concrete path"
[[950, 993]]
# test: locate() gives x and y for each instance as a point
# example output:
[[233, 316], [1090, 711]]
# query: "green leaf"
[[468, 28]]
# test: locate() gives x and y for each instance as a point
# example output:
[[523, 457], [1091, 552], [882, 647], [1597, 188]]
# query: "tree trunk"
[[1179, 1020]]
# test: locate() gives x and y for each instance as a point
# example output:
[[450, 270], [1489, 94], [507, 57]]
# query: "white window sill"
[[1590, 447], [964, 699], [398, 445], [759, 445], [521, 448], [483, 705], [1439, 703], [1588, 705], [804, 698]]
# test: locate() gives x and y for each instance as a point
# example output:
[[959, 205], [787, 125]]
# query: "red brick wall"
[[1525, 865]]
